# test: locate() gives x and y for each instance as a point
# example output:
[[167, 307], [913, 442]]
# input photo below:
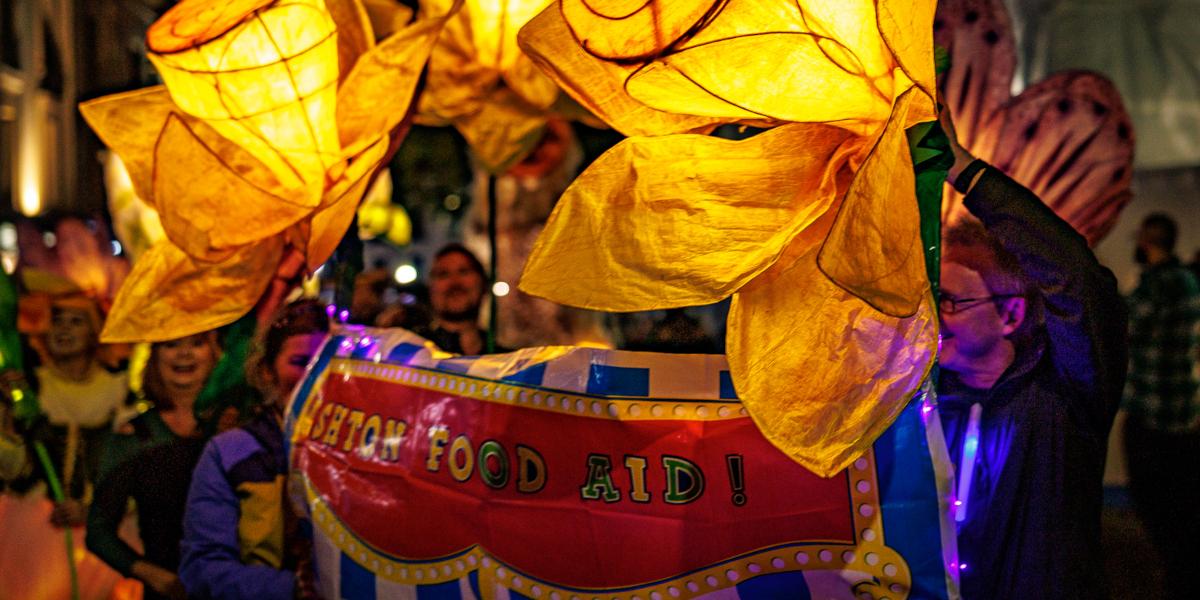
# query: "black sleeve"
[[1086, 318], [110, 499]]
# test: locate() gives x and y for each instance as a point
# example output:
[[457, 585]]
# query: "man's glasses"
[[949, 304]]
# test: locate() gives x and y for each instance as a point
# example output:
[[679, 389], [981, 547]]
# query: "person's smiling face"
[[185, 362], [71, 334], [455, 288]]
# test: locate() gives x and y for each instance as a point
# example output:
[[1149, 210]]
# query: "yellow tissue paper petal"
[[378, 92], [502, 131], [874, 249], [684, 220], [822, 373], [387, 16], [206, 206], [170, 295], [907, 28], [598, 85], [129, 124], [330, 223], [784, 76], [456, 83], [354, 33], [634, 29], [531, 84]]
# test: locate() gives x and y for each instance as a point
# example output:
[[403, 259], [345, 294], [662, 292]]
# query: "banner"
[[576, 473]]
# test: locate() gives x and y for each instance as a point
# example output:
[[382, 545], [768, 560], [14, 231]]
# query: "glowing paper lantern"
[[812, 226], [274, 118], [480, 81], [266, 82]]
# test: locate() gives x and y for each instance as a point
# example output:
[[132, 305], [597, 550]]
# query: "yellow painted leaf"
[[169, 295], [206, 207], [686, 219], [822, 373], [598, 85], [874, 249], [129, 124]]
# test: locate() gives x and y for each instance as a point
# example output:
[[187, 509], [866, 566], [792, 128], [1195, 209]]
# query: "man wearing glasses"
[[1033, 361]]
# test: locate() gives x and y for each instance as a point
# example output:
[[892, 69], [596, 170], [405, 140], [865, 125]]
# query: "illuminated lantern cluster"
[[480, 82], [812, 226], [274, 117]]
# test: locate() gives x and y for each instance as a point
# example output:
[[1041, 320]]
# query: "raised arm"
[[1085, 316]]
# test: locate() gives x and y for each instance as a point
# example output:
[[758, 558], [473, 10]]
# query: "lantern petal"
[[531, 84], [267, 82], [503, 131], [355, 36], [208, 207], [609, 29], [784, 76], [378, 92], [907, 29], [170, 295], [684, 220], [848, 369], [597, 84], [330, 223], [874, 248], [129, 123], [387, 16]]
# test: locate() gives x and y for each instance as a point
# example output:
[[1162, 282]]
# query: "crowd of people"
[[1038, 352], [198, 453]]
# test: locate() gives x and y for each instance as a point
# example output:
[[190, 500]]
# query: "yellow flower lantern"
[[273, 120], [266, 82], [480, 81], [811, 226]]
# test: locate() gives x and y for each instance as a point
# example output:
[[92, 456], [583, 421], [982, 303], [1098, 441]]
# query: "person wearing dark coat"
[[1033, 360]]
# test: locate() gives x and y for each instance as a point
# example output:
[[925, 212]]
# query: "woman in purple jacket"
[[239, 540]]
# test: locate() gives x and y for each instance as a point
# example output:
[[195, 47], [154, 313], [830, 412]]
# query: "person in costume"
[[239, 537], [79, 401], [1162, 433], [1033, 362], [150, 460]]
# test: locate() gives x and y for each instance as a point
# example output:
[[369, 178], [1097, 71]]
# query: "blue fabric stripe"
[[455, 365], [473, 579], [908, 493], [775, 586], [401, 354], [439, 591], [727, 391], [513, 595], [605, 380], [357, 582], [530, 376]]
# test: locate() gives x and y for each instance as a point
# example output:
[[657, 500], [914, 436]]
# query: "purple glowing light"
[[967, 465]]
